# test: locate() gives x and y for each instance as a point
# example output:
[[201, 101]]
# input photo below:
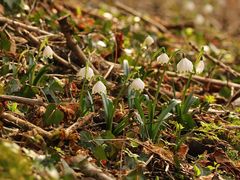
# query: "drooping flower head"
[[48, 52], [86, 72], [163, 58], [137, 85], [148, 41], [184, 66], [200, 67], [99, 88]]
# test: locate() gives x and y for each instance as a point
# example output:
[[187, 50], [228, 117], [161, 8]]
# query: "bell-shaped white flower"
[[137, 85], [99, 88], [148, 41], [208, 8], [199, 19], [184, 66], [200, 67], [101, 44], [48, 52], [85, 72], [163, 58], [190, 6]]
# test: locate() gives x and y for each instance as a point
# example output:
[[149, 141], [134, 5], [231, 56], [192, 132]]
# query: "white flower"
[[108, 15], [101, 44], [137, 19], [148, 41], [48, 52], [206, 48], [208, 8], [99, 88], [200, 67], [137, 85], [190, 6], [128, 52], [163, 58], [199, 19], [85, 72], [185, 65]]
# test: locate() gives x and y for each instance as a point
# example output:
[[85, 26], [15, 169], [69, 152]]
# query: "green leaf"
[[40, 74], [99, 153], [53, 115], [5, 43], [161, 119]]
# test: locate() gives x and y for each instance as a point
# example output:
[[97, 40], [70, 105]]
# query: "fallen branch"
[[79, 123], [22, 100], [216, 61], [22, 25], [89, 169], [25, 124]]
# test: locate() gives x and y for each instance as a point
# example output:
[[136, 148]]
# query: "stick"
[[160, 27], [25, 124], [22, 25], [22, 100], [59, 59], [206, 80], [72, 43], [216, 61], [79, 123]]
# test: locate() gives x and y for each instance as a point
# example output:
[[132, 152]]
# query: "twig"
[[30, 37], [216, 61], [72, 43], [160, 27], [109, 71], [25, 124], [22, 25], [207, 80], [89, 169], [79, 123], [22, 100]]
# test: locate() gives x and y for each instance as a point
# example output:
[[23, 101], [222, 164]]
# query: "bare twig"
[[72, 43], [216, 61], [22, 25], [25, 124], [89, 169], [79, 123], [206, 80], [160, 27], [22, 100], [37, 42]]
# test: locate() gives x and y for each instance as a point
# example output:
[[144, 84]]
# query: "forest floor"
[[96, 90]]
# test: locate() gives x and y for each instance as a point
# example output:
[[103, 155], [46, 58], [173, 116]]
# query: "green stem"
[[187, 86]]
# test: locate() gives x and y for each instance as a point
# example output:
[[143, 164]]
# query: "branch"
[[216, 61], [30, 37], [25, 124], [24, 26], [22, 100], [79, 123], [160, 27]]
